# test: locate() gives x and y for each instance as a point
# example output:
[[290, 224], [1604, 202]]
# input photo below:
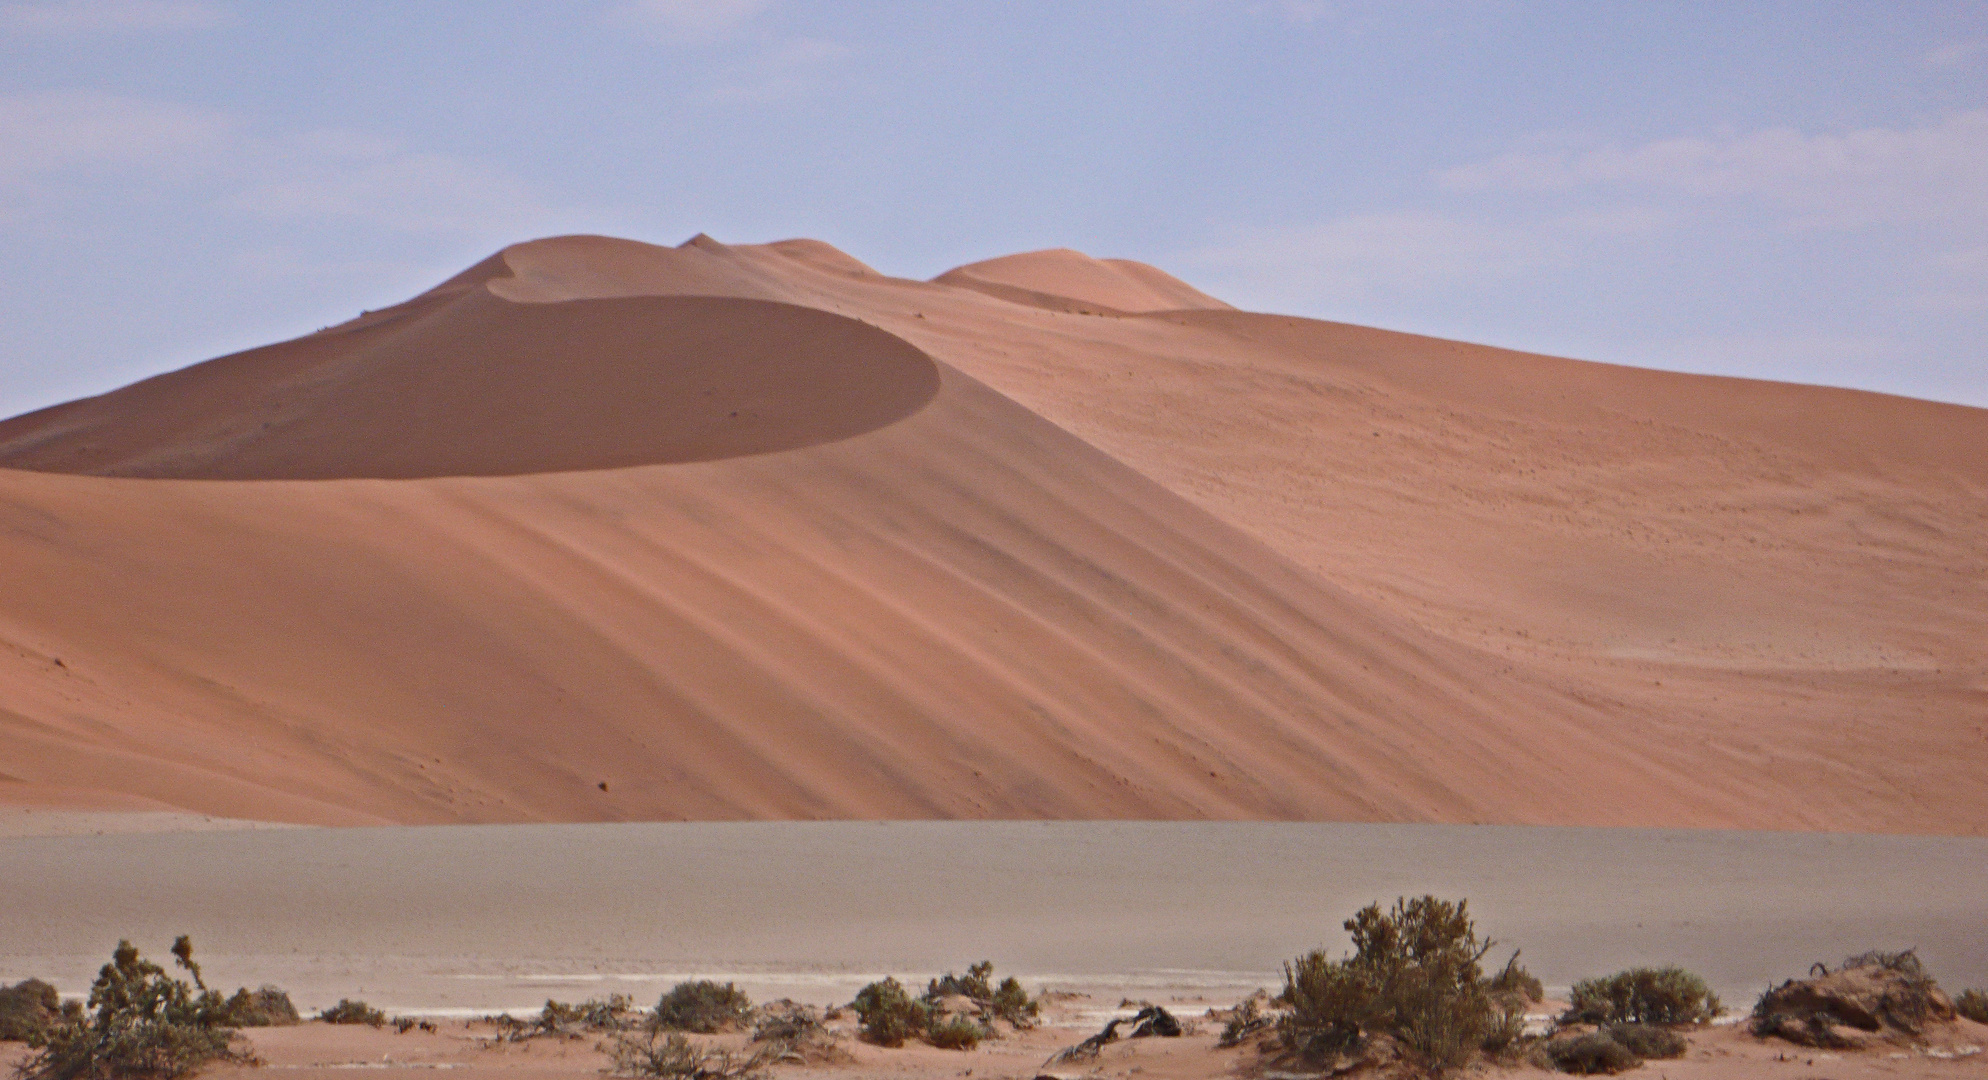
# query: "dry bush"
[[1972, 1004], [31, 1006], [1594, 1052], [559, 1020], [1648, 1040], [263, 1007], [1413, 975], [348, 1011], [1666, 995], [656, 1056], [1244, 1020], [141, 1024], [1006, 1001], [1517, 981], [956, 1033], [704, 1007], [888, 1015]]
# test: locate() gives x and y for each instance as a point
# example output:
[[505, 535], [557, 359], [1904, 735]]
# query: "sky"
[[1792, 191]]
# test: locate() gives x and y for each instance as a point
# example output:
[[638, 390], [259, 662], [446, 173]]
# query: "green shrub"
[[1972, 1004], [956, 1033], [29, 1007], [348, 1011], [973, 984], [888, 1015], [1413, 974], [652, 1055], [1007, 1001], [1667, 995], [704, 1007], [141, 1025], [1517, 981], [1648, 1040], [1013, 1004], [264, 1007], [1245, 1019], [1594, 1052]]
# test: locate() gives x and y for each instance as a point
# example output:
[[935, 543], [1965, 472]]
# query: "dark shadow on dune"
[[474, 385]]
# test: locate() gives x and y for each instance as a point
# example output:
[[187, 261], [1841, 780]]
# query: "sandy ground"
[[469, 1049], [1051, 537], [476, 919]]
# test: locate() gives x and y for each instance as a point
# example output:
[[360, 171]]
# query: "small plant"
[[1972, 1004], [888, 1015], [974, 984], [1244, 1020], [1666, 995], [31, 1006], [656, 1056], [789, 1023], [348, 1011], [1516, 981], [704, 1007], [1586, 1055], [264, 1007], [956, 1033], [1648, 1040], [141, 1023]]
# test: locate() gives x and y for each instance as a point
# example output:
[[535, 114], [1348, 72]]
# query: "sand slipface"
[[605, 531]]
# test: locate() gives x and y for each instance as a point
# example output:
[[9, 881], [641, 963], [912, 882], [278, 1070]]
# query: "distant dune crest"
[[631, 532]]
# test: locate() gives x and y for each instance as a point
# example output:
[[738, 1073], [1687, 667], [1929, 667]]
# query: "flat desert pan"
[[472, 919]]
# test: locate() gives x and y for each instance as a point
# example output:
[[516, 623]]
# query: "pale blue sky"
[[1785, 190]]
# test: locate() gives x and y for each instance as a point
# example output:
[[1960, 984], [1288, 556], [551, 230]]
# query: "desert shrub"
[[1594, 1052], [651, 1054], [263, 1007], [888, 1015], [956, 1033], [1007, 1001], [1244, 1020], [141, 1023], [1508, 1023], [704, 1007], [1515, 980], [788, 1022], [973, 984], [1666, 995], [348, 1011], [29, 1007], [1972, 1004], [1413, 974], [1913, 1006], [1648, 1040]]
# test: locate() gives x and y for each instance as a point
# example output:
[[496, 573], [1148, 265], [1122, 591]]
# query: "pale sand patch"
[[40, 821], [482, 918]]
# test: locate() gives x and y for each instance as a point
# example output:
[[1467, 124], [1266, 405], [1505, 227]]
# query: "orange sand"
[[757, 532]]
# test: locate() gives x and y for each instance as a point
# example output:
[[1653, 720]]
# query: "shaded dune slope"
[[1037, 563]]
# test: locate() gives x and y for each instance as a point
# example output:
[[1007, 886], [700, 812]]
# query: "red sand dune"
[[757, 532]]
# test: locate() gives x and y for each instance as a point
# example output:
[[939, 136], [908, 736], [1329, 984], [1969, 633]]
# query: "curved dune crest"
[[1062, 279], [475, 385], [1182, 564]]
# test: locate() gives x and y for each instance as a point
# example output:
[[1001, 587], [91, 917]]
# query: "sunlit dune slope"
[[968, 551]]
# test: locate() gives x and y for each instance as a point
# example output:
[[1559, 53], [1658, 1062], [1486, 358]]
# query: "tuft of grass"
[[1589, 1054], [1413, 975], [141, 1024], [888, 1016], [1648, 1040], [1972, 1004], [348, 1011], [956, 1033], [704, 1007], [1666, 995], [655, 1056]]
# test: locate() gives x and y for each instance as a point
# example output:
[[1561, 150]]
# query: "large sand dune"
[[758, 532]]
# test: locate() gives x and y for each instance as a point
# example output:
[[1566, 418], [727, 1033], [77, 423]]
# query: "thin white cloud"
[[78, 17], [692, 22], [787, 69], [59, 144], [1929, 172], [43, 132], [1955, 54]]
